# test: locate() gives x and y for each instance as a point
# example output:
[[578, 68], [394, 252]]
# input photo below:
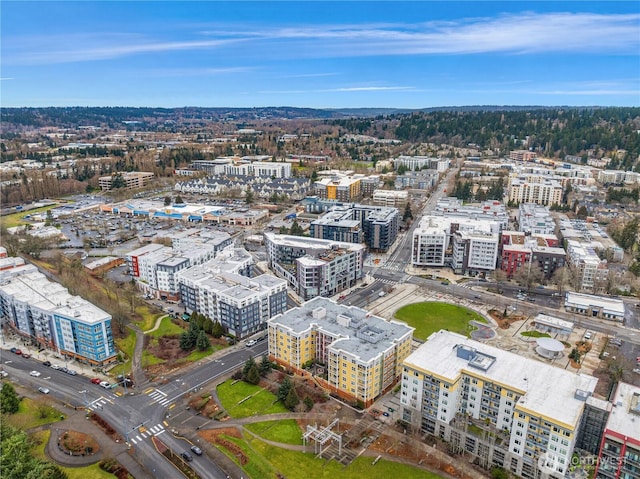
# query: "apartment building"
[[619, 455], [258, 168], [503, 408], [415, 163], [154, 267], [222, 290], [522, 155], [474, 252], [465, 244], [315, 267], [535, 219], [535, 189], [589, 271], [390, 198], [421, 180], [370, 184], [520, 250], [132, 179], [377, 226], [46, 313], [339, 188], [358, 356], [491, 210]]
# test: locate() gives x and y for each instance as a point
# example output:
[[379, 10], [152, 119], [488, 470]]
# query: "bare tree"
[[561, 278]]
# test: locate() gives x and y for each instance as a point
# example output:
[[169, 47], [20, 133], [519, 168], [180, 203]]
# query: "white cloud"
[[508, 33]]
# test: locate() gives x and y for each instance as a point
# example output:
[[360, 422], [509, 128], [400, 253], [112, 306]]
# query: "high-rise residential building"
[[340, 188], [505, 409], [377, 226], [467, 245], [535, 219], [46, 313], [619, 455], [590, 272], [315, 267], [221, 290], [360, 355], [537, 189]]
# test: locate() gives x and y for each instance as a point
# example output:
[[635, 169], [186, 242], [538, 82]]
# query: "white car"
[[34, 373], [252, 342], [55, 366], [637, 371], [43, 390], [105, 384]]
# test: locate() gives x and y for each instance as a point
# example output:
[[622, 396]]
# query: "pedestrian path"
[[143, 433], [99, 403], [158, 397]]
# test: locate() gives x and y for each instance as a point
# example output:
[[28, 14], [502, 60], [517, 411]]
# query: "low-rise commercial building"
[[130, 180], [453, 386], [595, 306], [358, 356]]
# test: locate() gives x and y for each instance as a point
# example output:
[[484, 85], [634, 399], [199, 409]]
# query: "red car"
[[26, 355], [95, 381], [18, 351]]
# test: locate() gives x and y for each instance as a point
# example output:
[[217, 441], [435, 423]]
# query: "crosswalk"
[[146, 432], [159, 397], [386, 281], [99, 403]]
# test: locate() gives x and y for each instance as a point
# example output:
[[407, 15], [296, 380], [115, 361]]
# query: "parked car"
[[16, 351], [26, 355], [105, 384], [96, 380], [196, 450], [587, 335], [251, 342], [35, 374], [13, 350], [4, 374], [47, 363], [43, 390], [55, 366], [186, 456], [71, 372]]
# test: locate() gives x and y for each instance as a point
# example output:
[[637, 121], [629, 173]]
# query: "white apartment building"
[[414, 163], [535, 219], [531, 411], [390, 198], [615, 177], [474, 252], [535, 189], [589, 271], [259, 168], [468, 245]]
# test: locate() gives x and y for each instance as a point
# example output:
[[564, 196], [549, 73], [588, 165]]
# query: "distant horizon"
[[322, 55]]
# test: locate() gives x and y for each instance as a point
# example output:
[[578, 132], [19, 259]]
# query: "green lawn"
[[268, 461], [261, 401], [28, 415], [16, 219], [166, 328], [535, 334], [286, 431], [148, 317], [430, 317]]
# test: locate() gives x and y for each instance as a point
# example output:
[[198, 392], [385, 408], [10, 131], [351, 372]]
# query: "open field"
[[429, 317], [240, 399], [286, 431], [17, 219]]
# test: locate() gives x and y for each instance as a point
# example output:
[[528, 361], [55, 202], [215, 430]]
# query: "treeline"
[[464, 191], [622, 195], [551, 132]]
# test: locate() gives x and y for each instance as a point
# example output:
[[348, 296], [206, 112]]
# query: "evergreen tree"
[[265, 365], [296, 229], [250, 363], [178, 200], [186, 342], [9, 400], [253, 375], [217, 330], [117, 181], [202, 343], [249, 196], [285, 387], [167, 200], [292, 399], [408, 215]]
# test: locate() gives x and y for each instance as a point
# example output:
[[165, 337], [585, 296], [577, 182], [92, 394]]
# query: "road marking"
[[148, 391], [159, 433], [133, 440]]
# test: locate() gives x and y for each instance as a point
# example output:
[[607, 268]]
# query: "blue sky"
[[319, 54]]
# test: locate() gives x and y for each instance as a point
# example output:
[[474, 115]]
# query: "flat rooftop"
[[625, 413], [611, 305], [357, 332], [545, 389]]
